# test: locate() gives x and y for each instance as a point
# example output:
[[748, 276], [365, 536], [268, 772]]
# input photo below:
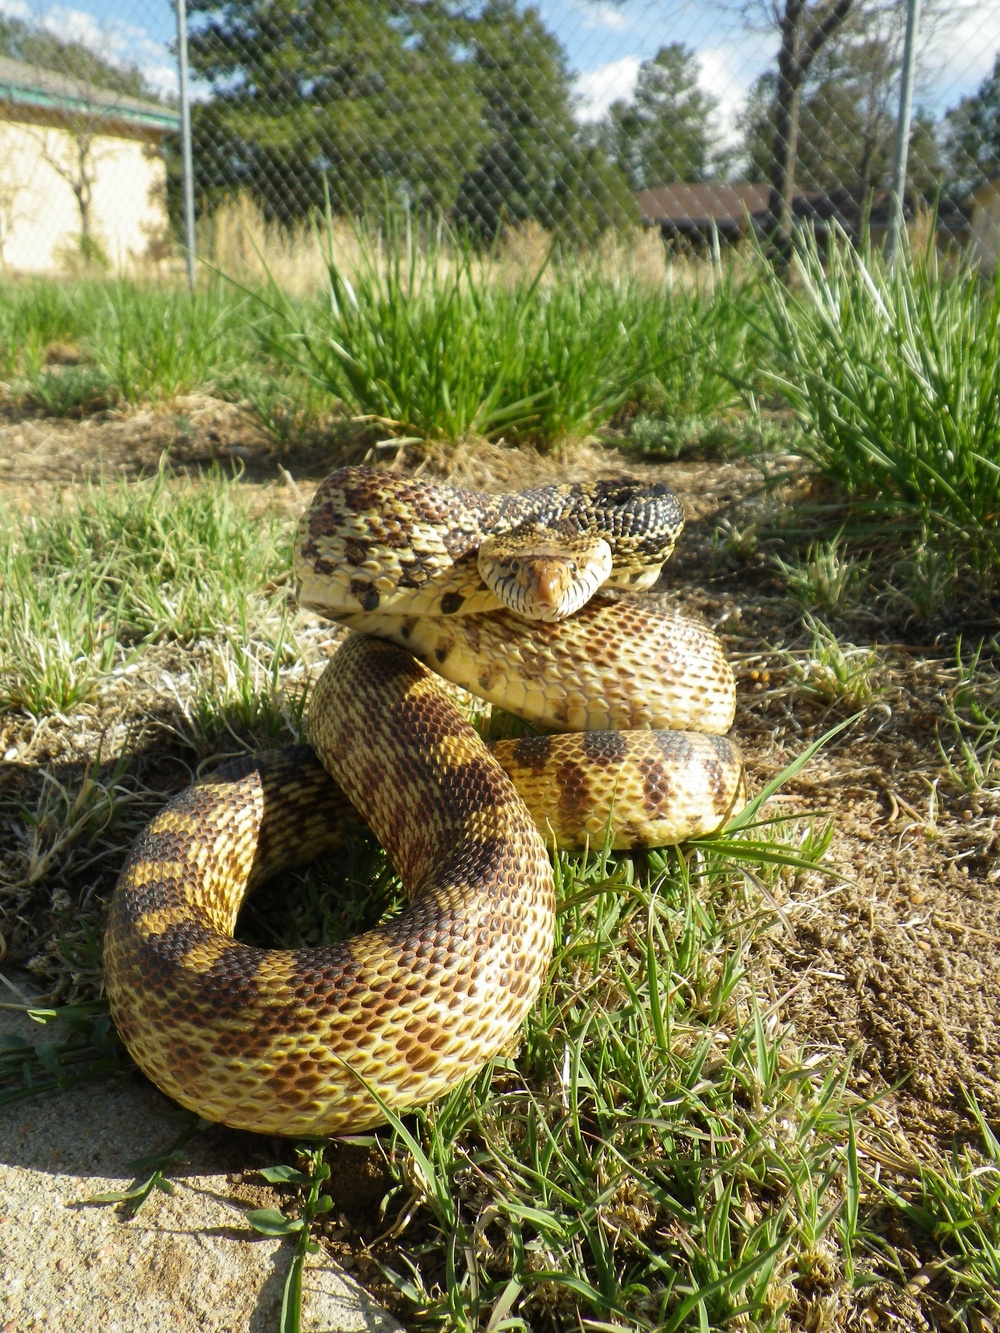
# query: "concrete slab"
[[185, 1262]]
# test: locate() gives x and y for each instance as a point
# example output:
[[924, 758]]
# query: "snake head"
[[544, 575]]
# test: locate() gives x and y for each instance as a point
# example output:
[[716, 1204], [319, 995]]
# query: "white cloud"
[[958, 52], [604, 16], [715, 76], [120, 42], [76, 25], [598, 88], [163, 79]]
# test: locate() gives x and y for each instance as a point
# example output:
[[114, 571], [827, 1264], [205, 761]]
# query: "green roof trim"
[[28, 85]]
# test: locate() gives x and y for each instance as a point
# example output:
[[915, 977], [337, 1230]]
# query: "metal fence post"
[[903, 127], [187, 171]]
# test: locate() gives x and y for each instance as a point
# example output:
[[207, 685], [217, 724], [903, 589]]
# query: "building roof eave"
[[166, 122], [26, 85]]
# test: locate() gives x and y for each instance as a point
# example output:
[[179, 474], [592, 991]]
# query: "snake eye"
[[515, 566], [572, 566]]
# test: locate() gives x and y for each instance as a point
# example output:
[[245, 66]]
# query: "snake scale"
[[312, 1042]]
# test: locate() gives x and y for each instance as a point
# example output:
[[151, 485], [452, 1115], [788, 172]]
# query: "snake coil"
[[312, 1042]]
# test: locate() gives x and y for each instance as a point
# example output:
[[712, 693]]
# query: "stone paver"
[[185, 1262]]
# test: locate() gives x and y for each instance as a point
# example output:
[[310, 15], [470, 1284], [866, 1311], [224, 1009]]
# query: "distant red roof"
[[700, 205], [696, 212]]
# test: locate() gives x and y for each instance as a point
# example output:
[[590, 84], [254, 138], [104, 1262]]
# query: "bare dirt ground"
[[896, 962]]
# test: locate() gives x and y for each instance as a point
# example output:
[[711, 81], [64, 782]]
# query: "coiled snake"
[[309, 1041]]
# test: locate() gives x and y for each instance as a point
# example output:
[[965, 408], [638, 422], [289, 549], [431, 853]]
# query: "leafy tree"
[[805, 29], [849, 119], [36, 46], [847, 116], [532, 162], [367, 95], [815, 37], [665, 133], [972, 135]]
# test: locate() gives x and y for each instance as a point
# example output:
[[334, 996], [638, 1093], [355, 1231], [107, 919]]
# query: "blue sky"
[[605, 44]]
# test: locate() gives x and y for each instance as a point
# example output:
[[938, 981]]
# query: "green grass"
[[954, 1207], [661, 1153], [659, 1156], [828, 579], [135, 344], [833, 672], [635, 1162], [894, 373], [124, 566], [970, 737], [83, 1046], [423, 338], [426, 342]]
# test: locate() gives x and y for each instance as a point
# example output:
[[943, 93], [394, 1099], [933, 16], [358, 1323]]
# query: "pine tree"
[[532, 163], [665, 133], [362, 96]]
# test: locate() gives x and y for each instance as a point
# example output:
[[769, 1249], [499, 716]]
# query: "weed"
[[269, 1222], [739, 542], [138, 344], [827, 579], [86, 1048], [152, 345], [835, 673], [972, 759], [421, 346], [956, 1206], [657, 437], [290, 407], [152, 1172], [65, 391]]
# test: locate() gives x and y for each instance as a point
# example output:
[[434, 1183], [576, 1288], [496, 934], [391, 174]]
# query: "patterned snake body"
[[374, 541], [310, 1042]]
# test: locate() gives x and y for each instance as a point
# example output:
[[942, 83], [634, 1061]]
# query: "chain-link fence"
[[572, 115]]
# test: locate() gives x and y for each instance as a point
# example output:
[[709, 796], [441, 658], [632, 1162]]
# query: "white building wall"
[[39, 216]]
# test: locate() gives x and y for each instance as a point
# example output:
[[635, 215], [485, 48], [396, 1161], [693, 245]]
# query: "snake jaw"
[[542, 575]]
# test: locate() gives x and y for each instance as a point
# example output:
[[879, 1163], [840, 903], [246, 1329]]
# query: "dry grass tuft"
[[241, 242]]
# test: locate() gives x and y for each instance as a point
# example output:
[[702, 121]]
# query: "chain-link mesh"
[[575, 116]]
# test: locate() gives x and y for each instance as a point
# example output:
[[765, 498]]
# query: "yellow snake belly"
[[315, 1041]]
